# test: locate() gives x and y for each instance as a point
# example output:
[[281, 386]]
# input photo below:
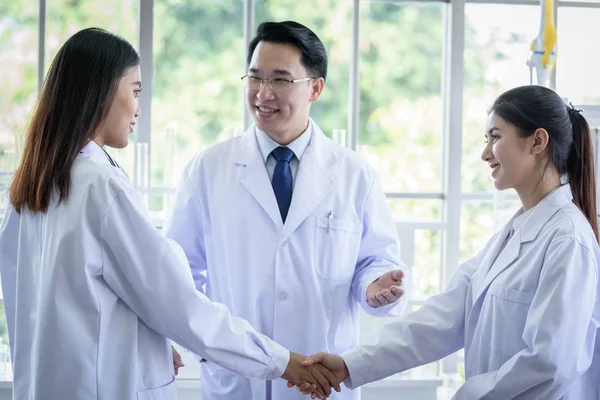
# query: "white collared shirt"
[[266, 145]]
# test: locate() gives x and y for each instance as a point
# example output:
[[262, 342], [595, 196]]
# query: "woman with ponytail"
[[525, 309]]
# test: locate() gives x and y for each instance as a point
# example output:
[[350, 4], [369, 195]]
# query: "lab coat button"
[[283, 297]]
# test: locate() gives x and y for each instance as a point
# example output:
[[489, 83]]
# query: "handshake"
[[317, 374]]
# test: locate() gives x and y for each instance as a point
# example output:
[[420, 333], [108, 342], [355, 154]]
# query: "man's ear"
[[317, 87]]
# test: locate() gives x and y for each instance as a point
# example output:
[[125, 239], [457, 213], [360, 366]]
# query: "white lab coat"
[[298, 282], [528, 321], [91, 289]]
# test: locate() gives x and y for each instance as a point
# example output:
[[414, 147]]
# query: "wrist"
[[346, 371], [287, 374]]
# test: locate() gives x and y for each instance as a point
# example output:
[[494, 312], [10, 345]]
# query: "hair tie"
[[572, 111]]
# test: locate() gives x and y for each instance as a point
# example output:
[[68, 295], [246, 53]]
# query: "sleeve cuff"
[[394, 309], [280, 357], [357, 367]]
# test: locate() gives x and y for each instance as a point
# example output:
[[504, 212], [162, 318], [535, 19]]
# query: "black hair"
[[570, 147], [74, 102], [314, 56]]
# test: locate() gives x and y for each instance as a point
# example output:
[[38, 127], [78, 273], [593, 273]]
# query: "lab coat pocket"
[[166, 392], [337, 242], [509, 307]]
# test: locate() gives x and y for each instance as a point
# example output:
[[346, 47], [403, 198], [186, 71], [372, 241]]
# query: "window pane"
[[476, 227], [197, 95], [427, 268], [577, 73], [5, 365], [506, 204], [416, 210], [18, 74], [158, 202], [418, 224], [479, 220], [18, 91], [331, 111], [497, 39], [421, 252], [401, 114], [65, 18]]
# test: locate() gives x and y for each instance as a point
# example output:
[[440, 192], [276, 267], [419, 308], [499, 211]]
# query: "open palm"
[[387, 289]]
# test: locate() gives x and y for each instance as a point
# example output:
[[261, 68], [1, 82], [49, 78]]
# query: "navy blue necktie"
[[282, 179]]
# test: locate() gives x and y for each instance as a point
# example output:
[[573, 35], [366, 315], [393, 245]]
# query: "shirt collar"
[[523, 216], [266, 145], [97, 153]]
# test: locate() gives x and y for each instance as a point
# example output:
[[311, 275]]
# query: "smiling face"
[[282, 114], [510, 156], [123, 112]]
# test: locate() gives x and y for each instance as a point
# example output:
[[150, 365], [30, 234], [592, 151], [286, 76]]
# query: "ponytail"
[[580, 168]]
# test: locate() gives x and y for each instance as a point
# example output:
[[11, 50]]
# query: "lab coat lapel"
[[493, 263], [490, 257], [526, 233], [506, 257], [489, 265], [314, 179], [255, 177]]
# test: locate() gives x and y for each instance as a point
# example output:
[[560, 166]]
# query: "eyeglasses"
[[255, 82]]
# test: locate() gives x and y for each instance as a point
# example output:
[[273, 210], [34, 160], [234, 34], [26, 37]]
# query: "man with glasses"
[[287, 228]]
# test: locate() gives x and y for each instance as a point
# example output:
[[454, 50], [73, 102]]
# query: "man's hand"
[[332, 362], [177, 362], [387, 289], [314, 379]]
